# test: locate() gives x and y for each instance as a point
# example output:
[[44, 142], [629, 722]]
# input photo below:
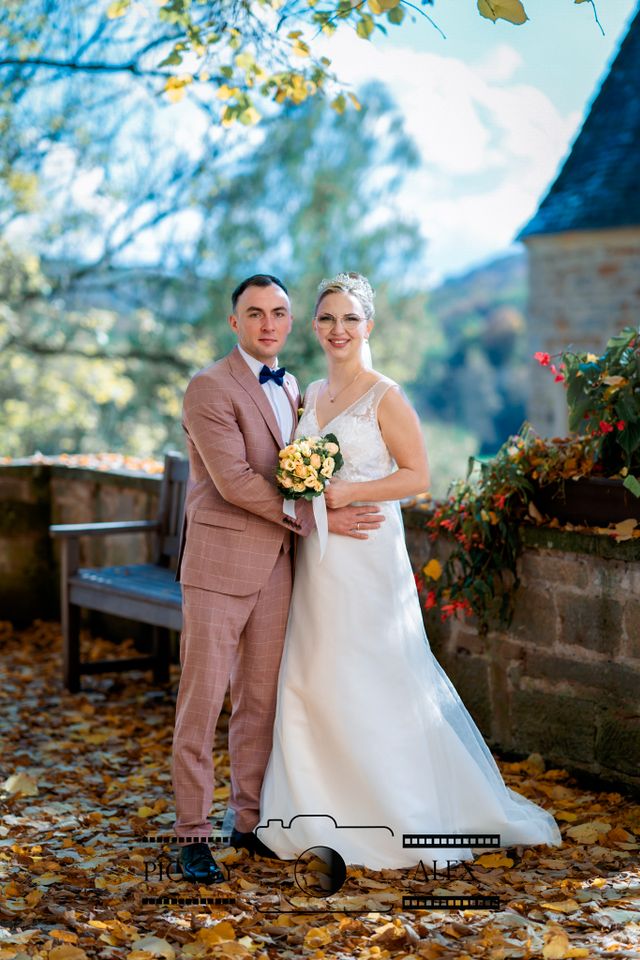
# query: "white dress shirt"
[[276, 395], [280, 405]]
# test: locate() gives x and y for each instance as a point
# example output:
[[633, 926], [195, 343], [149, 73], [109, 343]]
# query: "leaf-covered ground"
[[85, 777]]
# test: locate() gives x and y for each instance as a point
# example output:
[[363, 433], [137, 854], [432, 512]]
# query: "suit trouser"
[[227, 639]]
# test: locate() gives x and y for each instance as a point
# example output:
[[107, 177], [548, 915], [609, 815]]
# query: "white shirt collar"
[[255, 365]]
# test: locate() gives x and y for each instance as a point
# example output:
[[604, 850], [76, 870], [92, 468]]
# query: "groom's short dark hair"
[[257, 280]]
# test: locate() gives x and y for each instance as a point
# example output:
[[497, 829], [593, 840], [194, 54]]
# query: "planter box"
[[590, 501]]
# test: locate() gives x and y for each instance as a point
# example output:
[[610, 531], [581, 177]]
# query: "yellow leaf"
[[65, 935], [300, 49], [224, 930], [155, 946], [317, 937], [534, 513], [619, 835], [433, 569], [565, 815], [562, 906], [624, 529], [118, 9], [175, 87], [511, 10], [355, 101], [556, 946], [494, 860], [20, 784], [588, 832], [97, 738], [145, 811], [244, 61], [365, 26], [225, 92], [249, 116], [67, 952]]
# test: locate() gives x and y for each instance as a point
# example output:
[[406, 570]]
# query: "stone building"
[[583, 243]]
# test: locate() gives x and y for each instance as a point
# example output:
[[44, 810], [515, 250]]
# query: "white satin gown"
[[371, 740]]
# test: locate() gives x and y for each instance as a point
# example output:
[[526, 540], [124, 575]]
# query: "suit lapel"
[[291, 392], [246, 378]]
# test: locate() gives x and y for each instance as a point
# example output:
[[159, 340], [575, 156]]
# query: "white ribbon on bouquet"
[[322, 523]]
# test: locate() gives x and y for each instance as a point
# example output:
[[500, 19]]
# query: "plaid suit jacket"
[[234, 525]]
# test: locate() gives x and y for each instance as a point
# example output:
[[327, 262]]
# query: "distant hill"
[[472, 295], [475, 366]]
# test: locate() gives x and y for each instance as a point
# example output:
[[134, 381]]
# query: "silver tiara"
[[353, 283]]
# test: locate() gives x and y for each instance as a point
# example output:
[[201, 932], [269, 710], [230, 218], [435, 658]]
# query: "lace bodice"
[[366, 456]]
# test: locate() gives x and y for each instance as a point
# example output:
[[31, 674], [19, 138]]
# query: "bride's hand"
[[338, 494]]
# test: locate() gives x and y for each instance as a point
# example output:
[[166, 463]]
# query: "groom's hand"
[[355, 521]]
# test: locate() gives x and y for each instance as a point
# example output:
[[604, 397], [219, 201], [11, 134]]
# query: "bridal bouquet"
[[306, 465]]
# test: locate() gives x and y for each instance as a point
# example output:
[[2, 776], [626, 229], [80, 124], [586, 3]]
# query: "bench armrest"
[[67, 530]]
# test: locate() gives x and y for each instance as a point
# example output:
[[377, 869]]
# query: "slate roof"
[[599, 185]]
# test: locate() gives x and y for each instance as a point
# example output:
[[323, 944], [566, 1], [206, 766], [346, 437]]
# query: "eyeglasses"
[[325, 320]]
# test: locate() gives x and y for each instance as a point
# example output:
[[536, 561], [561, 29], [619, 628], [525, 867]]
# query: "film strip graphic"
[[190, 901], [449, 902], [216, 833], [452, 841]]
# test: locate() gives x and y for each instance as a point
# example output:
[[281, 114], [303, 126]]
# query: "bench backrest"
[[171, 509]]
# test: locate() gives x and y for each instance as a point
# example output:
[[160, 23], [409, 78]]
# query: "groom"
[[235, 567]]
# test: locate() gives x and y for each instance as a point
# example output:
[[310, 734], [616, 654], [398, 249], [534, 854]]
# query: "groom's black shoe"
[[252, 843], [198, 865]]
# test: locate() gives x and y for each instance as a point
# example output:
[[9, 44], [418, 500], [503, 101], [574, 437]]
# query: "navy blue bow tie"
[[276, 375]]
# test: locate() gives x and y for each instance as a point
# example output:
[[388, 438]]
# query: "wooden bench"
[[145, 592]]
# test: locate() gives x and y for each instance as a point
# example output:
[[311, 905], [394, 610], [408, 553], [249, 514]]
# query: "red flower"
[[558, 378], [500, 501], [620, 424], [430, 602], [605, 427], [419, 582], [542, 358]]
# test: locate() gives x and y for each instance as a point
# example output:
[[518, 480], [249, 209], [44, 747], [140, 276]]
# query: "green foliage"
[[300, 205], [603, 395], [96, 356], [236, 58], [483, 514]]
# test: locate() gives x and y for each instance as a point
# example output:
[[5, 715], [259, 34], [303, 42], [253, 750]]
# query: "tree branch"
[[90, 67], [42, 350]]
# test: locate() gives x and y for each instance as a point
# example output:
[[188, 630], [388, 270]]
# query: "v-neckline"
[[357, 400]]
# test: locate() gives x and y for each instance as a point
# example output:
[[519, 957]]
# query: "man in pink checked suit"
[[235, 567]]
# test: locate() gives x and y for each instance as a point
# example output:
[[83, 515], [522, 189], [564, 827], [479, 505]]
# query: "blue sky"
[[493, 108]]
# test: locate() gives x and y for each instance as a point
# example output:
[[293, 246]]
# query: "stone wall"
[[34, 495], [563, 680], [583, 288]]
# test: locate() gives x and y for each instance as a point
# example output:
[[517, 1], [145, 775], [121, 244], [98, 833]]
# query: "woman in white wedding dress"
[[371, 740]]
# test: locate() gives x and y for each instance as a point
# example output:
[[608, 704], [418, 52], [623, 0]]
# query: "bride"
[[371, 740]]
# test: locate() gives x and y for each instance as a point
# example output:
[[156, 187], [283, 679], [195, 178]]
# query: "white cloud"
[[489, 144]]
